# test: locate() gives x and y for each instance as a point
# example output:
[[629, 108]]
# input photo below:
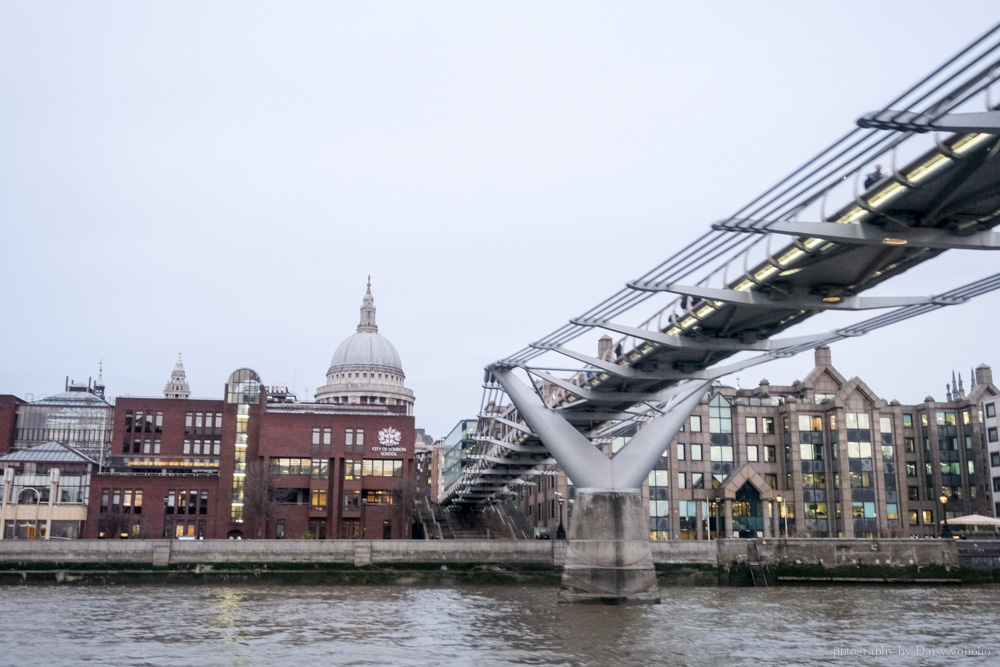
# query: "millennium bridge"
[[637, 363]]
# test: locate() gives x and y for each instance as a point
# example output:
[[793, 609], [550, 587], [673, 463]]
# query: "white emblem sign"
[[389, 437], [389, 442]]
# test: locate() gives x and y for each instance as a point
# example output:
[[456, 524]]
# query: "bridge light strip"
[[879, 199], [794, 253], [962, 145]]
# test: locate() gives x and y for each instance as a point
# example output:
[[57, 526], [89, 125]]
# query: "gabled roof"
[[48, 452], [737, 478]]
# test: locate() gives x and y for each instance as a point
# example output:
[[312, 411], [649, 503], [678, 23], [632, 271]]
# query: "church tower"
[[178, 386]]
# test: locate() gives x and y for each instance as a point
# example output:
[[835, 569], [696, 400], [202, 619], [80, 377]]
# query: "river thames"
[[494, 625]]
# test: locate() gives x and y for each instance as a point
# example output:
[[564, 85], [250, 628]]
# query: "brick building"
[[259, 463], [255, 462], [247, 466]]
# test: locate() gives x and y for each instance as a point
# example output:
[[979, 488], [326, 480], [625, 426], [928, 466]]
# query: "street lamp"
[[945, 529], [784, 514], [560, 531]]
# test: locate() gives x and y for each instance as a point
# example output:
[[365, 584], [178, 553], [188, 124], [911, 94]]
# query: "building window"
[[290, 466], [908, 420], [813, 481], [913, 493], [721, 453], [680, 451], [379, 497], [752, 453], [810, 423], [992, 434], [696, 452], [719, 415], [695, 421], [811, 452], [382, 468], [928, 518], [681, 480], [697, 480], [352, 469], [319, 499], [995, 459], [991, 409], [912, 517], [946, 419], [768, 424], [751, 423], [911, 469], [885, 425], [770, 454]]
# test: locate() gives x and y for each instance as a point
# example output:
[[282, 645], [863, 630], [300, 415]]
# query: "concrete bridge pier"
[[609, 558]]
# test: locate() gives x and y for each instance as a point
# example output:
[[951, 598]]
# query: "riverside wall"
[[725, 562]]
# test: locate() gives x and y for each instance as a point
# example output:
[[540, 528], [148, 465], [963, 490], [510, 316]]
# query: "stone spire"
[[367, 323], [178, 386]]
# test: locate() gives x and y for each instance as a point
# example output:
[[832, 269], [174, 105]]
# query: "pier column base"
[[608, 556]]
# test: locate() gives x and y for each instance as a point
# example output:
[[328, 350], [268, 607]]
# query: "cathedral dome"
[[366, 368], [368, 349]]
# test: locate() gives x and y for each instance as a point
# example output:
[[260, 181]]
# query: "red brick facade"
[[331, 475], [8, 421]]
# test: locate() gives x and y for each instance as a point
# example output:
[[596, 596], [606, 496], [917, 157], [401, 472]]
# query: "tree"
[[258, 498], [404, 503], [113, 524]]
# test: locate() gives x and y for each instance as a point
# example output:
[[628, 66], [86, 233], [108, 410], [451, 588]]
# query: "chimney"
[[984, 375], [823, 356], [604, 345]]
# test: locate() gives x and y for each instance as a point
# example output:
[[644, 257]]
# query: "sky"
[[220, 179]]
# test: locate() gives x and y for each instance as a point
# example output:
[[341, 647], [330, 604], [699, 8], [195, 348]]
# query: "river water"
[[494, 625]]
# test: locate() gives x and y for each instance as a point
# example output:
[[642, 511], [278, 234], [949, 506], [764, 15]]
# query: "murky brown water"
[[493, 625]]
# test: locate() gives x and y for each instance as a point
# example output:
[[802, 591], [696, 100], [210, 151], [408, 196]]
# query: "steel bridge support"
[[608, 556]]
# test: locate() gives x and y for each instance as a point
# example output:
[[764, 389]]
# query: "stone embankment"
[[721, 562]]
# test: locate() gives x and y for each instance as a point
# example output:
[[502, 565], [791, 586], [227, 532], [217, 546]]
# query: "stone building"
[[822, 457], [44, 492]]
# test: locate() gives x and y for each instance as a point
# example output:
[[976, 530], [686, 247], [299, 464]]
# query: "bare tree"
[[113, 524], [404, 504], [258, 498]]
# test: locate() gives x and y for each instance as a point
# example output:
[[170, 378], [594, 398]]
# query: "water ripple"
[[493, 625]]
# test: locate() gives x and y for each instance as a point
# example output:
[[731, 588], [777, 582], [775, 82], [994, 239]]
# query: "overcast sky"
[[219, 179]]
